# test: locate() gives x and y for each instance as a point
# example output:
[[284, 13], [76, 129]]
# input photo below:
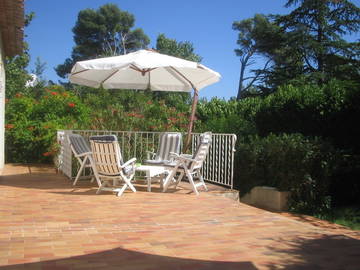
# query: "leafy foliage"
[[180, 49], [315, 29], [289, 162], [249, 31], [103, 32], [31, 124], [306, 43], [16, 75], [135, 110], [329, 111]]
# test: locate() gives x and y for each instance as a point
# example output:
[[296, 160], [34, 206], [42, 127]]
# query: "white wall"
[[2, 106]]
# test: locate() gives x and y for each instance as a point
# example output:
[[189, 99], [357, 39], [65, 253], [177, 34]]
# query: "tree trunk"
[[241, 80]]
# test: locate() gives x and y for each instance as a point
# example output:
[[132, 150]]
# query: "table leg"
[[148, 179], [162, 179]]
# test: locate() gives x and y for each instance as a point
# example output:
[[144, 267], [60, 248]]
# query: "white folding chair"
[[82, 152], [189, 166], [169, 142], [110, 170]]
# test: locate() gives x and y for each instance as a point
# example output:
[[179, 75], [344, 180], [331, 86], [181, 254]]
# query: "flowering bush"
[[131, 110], [31, 124]]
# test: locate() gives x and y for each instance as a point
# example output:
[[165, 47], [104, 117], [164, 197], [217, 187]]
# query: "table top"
[[152, 170]]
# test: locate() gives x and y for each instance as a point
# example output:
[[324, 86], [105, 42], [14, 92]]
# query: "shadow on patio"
[[126, 259]]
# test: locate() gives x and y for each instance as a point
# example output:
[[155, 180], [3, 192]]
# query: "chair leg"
[[191, 180], [121, 191], [102, 185], [127, 181], [180, 177], [80, 170], [202, 180], [131, 186], [169, 178]]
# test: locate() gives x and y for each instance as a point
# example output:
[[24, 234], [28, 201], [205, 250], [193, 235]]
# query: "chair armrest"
[[129, 162], [187, 158], [150, 154], [186, 155], [176, 156], [173, 155], [83, 154]]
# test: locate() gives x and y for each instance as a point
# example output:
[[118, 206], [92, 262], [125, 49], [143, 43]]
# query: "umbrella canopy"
[[145, 69]]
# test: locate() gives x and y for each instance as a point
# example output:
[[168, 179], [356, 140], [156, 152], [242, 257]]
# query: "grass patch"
[[346, 216]]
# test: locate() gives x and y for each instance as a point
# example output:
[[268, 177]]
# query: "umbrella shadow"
[[127, 259]]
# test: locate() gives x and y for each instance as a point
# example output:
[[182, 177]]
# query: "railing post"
[[65, 155]]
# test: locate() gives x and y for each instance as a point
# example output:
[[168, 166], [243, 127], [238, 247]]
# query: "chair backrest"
[[78, 144], [106, 154], [168, 142], [201, 150]]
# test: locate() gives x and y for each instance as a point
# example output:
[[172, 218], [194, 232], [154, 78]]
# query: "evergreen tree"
[[104, 32], [316, 29], [307, 44], [184, 50]]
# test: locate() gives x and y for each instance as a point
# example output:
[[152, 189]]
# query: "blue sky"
[[205, 23]]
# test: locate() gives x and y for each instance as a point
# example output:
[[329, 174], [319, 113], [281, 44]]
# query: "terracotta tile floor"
[[46, 223]]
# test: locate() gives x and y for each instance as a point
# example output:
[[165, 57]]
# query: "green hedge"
[[289, 162], [330, 111]]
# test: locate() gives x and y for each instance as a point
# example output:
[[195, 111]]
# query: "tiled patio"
[[46, 223]]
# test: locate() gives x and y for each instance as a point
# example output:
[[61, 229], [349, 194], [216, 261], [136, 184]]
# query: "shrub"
[[289, 162], [230, 116], [329, 111], [135, 111], [31, 125]]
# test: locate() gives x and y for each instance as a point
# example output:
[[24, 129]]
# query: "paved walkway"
[[45, 223]]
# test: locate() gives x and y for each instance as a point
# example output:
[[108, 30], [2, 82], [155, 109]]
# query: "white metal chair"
[[189, 165], [110, 170], [169, 142], [82, 152]]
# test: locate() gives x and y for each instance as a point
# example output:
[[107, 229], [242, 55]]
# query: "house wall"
[[2, 106]]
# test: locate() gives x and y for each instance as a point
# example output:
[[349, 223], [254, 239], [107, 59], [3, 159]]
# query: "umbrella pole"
[[192, 118]]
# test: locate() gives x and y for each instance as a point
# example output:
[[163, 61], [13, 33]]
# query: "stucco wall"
[[2, 106]]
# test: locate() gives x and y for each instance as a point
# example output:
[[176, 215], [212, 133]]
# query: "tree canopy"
[[106, 31], [182, 49], [307, 43]]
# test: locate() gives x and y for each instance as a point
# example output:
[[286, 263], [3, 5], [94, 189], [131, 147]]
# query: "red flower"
[[149, 102], [173, 119], [9, 126], [6, 100], [46, 154], [65, 94], [71, 104], [18, 95]]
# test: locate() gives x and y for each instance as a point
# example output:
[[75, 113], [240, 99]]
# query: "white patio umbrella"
[[146, 69]]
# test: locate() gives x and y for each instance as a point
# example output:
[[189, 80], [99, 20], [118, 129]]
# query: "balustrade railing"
[[218, 167]]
